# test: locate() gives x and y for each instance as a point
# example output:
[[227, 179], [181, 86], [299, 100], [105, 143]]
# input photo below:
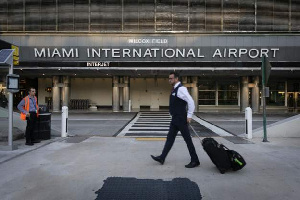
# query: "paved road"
[[92, 124]]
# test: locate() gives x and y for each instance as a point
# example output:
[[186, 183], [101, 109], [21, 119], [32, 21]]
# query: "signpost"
[[266, 70], [6, 57]]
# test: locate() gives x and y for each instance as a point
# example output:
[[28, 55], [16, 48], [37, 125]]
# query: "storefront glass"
[[277, 94], [228, 93], [207, 92]]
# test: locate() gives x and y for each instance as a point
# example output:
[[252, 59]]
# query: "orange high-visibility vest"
[[26, 107]]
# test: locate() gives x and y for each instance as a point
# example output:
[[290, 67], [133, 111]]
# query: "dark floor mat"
[[237, 140], [119, 188]]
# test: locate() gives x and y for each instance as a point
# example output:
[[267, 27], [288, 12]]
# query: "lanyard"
[[33, 102]]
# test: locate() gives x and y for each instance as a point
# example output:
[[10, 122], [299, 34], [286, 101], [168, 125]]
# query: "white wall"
[[97, 90], [43, 84], [148, 92], [143, 91]]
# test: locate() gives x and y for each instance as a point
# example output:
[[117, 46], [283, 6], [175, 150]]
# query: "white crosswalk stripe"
[[148, 124], [156, 124]]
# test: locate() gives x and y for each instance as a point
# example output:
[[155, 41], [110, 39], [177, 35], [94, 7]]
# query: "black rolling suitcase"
[[221, 156], [217, 153]]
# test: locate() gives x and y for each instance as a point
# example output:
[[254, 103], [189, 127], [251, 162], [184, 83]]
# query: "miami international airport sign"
[[154, 53], [159, 49]]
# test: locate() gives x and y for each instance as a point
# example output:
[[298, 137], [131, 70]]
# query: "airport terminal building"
[[116, 53]]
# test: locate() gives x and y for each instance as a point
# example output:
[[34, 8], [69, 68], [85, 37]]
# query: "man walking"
[[179, 99], [29, 111]]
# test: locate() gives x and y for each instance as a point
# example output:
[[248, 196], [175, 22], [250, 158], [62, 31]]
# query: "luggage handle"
[[195, 133], [201, 140]]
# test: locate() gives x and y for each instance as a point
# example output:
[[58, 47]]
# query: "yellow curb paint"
[[150, 139]]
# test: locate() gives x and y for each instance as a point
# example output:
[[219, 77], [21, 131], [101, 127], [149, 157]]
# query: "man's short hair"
[[29, 89], [176, 74]]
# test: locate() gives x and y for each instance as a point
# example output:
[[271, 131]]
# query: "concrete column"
[[194, 91], [217, 94], [126, 94], [244, 93], [66, 91], [255, 94], [55, 94], [116, 95], [285, 94]]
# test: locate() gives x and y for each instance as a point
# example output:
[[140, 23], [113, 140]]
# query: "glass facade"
[[198, 16], [207, 92], [226, 91], [277, 94]]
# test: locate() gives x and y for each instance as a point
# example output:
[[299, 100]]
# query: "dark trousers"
[[31, 121], [179, 123]]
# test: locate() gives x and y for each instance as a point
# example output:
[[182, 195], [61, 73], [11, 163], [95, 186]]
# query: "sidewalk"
[[235, 122], [64, 169]]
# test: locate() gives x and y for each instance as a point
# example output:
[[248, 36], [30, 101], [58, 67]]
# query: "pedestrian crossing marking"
[[156, 125]]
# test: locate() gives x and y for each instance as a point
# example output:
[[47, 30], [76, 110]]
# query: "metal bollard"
[[64, 121], [129, 106], [248, 121]]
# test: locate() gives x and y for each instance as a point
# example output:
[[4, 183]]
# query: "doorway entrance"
[[149, 93], [293, 100]]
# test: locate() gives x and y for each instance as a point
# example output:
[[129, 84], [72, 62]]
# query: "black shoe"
[[158, 159], [192, 164], [29, 143], [36, 141]]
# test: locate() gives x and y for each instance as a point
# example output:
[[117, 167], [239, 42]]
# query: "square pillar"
[[116, 94]]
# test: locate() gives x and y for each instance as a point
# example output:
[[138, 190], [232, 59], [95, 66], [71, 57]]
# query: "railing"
[[79, 104]]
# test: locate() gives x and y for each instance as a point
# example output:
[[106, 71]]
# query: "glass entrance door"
[[293, 100]]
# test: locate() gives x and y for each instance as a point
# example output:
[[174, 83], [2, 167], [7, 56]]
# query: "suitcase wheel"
[[222, 171]]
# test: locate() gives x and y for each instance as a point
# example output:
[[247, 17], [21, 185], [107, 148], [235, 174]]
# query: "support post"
[[244, 93], [248, 119], [116, 99], [56, 94], [64, 121], [126, 94], [255, 94]]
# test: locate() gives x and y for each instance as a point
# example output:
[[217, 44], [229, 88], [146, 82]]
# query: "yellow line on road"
[[150, 139]]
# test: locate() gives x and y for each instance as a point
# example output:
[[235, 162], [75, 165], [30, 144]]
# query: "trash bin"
[[43, 124]]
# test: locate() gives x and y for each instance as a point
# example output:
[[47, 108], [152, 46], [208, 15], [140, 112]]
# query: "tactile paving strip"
[[202, 131], [119, 188], [237, 140], [76, 139]]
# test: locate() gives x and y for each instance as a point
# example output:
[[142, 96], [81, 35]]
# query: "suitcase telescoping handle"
[[195, 133]]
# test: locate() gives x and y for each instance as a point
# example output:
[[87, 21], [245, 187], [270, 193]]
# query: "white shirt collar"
[[176, 84]]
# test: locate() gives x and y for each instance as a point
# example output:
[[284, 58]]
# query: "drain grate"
[[119, 188]]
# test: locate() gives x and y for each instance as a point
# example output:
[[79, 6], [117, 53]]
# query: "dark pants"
[[31, 121], [179, 123]]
